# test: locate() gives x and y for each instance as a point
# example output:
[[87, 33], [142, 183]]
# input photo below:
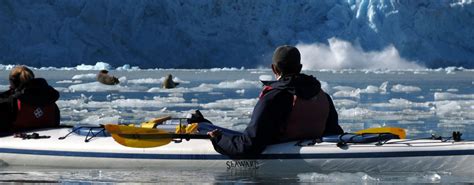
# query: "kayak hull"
[[104, 152]]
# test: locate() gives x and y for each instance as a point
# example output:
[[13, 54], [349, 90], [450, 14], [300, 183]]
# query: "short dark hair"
[[287, 59]]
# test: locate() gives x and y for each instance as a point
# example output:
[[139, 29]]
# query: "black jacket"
[[35, 92], [271, 114]]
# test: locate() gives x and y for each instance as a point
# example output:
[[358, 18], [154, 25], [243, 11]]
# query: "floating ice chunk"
[[344, 88], [452, 69], [69, 82], [4, 87], [405, 89], [354, 112], [406, 122], [438, 96], [81, 111], [181, 89], [62, 89], [84, 76], [447, 107], [231, 103], [240, 91], [171, 99], [127, 67], [155, 81], [242, 83], [345, 103], [361, 113], [176, 79], [99, 87], [146, 81], [325, 86], [97, 120], [97, 66], [383, 87], [175, 94], [122, 79], [370, 89], [6, 67], [265, 78], [420, 72], [158, 89], [124, 67], [86, 99], [259, 71], [347, 93], [402, 103], [226, 69], [157, 102]]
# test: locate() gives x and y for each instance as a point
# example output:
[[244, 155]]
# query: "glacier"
[[332, 34]]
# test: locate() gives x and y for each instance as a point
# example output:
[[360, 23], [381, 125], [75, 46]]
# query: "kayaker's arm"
[[6, 96], [270, 113]]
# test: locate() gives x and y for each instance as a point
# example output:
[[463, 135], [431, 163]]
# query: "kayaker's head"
[[19, 75], [286, 61]]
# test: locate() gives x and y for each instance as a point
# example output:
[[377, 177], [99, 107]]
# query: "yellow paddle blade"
[[153, 122], [180, 129], [400, 132], [137, 137], [192, 128]]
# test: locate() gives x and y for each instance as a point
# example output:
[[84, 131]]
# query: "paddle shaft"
[[165, 136]]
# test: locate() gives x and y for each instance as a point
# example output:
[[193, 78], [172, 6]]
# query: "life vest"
[[308, 118], [29, 116]]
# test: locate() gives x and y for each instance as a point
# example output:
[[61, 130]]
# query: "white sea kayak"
[[395, 155]]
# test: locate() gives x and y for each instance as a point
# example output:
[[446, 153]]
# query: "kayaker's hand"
[[214, 133]]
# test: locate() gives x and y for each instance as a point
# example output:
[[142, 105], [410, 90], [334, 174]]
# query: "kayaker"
[[29, 103], [104, 78], [292, 108], [168, 83]]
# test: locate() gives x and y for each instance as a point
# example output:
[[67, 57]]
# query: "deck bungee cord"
[[91, 130]]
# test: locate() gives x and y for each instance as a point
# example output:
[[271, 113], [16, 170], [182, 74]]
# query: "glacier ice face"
[[206, 33]]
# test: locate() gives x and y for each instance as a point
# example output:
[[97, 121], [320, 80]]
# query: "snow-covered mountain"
[[225, 33]]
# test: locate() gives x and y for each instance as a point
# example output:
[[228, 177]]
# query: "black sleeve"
[[57, 115], [5, 96], [332, 123], [7, 109], [268, 116]]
